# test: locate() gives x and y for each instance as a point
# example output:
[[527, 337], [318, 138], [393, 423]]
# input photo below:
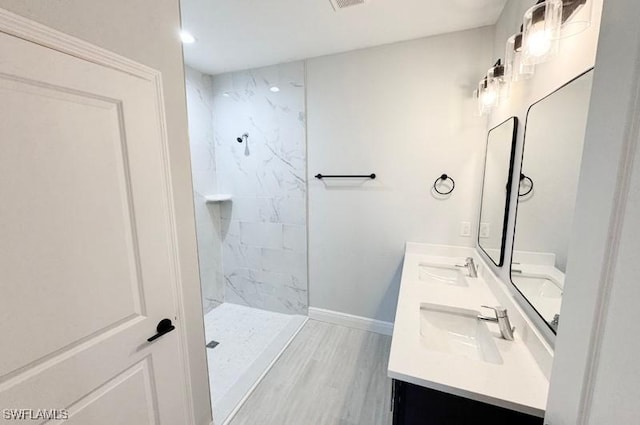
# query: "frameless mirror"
[[554, 138], [496, 189]]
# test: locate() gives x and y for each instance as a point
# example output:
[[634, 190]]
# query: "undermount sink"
[[457, 331], [442, 273], [537, 286], [543, 292]]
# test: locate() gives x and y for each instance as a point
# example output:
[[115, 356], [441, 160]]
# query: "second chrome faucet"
[[470, 265], [502, 319], [500, 313]]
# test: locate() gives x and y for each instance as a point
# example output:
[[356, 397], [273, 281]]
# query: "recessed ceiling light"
[[186, 37], [275, 89], [226, 94]]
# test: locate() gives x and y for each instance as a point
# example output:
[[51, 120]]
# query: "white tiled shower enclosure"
[[253, 249]]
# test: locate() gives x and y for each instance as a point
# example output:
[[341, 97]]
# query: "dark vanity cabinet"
[[415, 405]]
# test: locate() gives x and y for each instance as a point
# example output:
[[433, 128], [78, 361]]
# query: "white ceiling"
[[242, 34]]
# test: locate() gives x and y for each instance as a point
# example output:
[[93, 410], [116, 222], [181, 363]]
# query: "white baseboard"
[[351, 321]]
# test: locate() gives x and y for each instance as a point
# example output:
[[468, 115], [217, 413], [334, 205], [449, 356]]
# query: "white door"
[[86, 254]]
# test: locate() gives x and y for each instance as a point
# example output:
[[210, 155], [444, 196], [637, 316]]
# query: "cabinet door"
[[415, 405], [397, 405]]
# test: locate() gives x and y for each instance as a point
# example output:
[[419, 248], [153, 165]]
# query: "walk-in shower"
[[250, 205]]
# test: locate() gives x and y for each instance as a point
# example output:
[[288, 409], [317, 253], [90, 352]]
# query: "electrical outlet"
[[485, 230], [465, 229]]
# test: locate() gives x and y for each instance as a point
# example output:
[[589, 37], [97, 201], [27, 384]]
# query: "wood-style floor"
[[329, 375]]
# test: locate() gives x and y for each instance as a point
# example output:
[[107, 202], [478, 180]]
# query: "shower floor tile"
[[249, 340]]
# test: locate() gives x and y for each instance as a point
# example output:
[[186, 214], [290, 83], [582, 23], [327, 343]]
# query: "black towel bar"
[[346, 176]]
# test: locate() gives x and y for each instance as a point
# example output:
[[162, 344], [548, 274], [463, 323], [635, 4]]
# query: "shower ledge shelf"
[[213, 199]]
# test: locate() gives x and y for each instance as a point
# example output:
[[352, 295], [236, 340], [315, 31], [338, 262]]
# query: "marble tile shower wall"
[[264, 227], [203, 164]]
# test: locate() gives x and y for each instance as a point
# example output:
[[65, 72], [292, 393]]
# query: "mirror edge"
[[505, 224], [536, 317]]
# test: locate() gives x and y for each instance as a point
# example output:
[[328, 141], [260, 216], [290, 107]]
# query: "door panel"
[[71, 246], [86, 265], [102, 407]]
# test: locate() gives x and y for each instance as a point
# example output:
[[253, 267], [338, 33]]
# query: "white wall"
[[203, 166], [405, 112], [146, 31]]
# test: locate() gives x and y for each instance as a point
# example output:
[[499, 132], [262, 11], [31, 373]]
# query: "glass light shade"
[[576, 16], [541, 31], [515, 68], [487, 96], [498, 81]]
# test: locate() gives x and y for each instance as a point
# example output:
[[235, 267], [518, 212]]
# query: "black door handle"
[[163, 328]]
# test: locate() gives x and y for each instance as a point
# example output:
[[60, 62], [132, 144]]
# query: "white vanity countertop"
[[517, 384]]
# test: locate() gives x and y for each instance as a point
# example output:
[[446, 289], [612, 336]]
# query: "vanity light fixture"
[[576, 16], [497, 79], [543, 26], [541, 31], [487, 96], [515, 68]]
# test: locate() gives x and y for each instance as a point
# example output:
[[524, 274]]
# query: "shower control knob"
[[243, 138]]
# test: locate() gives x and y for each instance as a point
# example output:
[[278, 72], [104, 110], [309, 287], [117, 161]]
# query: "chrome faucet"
[[470, 265], [502, 319]]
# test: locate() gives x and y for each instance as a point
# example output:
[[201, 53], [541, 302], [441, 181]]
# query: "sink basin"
[[457, 331], [541, 291], [537, 286], [442, 273]]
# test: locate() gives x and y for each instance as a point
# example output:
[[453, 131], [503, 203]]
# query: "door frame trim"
[[31, 31], [618, 218], [612, 138]]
